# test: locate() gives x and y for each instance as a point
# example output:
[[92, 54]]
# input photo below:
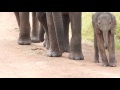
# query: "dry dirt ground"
[[31, 61]]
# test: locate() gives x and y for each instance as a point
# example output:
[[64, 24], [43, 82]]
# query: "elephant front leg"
[[111, 48], [96, 55], [24, 35], [75, 45], [101, 47], [53, 50], [35, 28]]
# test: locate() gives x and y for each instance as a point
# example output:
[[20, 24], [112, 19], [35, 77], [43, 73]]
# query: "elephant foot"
[[112, 63], [24, 41], [76, 56], [35, 39], [105, 64], [41, 38], [67, 48], [96, 60], [46, 45], [54, 53]]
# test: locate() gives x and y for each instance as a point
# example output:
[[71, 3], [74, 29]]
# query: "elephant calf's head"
[[106, 22]]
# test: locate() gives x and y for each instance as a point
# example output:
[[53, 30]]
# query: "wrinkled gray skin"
[[104, 24], [24, 26], [66, 21], [75, 45], [52, 22]]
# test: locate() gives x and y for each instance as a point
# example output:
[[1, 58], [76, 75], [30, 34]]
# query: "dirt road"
[[31, 61]]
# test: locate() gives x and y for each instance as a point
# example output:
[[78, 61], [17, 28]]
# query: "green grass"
[[87, 29]]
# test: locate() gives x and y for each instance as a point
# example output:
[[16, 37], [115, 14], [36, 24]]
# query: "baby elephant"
[[104, 24]]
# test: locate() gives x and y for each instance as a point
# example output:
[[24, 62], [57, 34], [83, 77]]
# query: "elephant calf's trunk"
[[105, 36]]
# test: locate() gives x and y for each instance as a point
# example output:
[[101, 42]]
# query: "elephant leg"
[[101, 47], [53, 50], [66, 21], [41, 33], [42, 18], [46, 42], [111, 49], [24, 35], [17, 18], [96, 56], [35, 28], [75, 45]]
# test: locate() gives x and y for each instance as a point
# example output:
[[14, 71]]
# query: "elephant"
[[104, 24], [53, 34], [24, 26]]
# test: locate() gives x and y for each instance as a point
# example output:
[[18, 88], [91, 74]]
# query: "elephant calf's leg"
[[35, 28], [111, 47], [24, 36], [102, 49], [75, 46], [96, 56]]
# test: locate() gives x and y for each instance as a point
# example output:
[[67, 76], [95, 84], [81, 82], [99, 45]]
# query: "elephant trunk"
[[105, 36], [58, 23]]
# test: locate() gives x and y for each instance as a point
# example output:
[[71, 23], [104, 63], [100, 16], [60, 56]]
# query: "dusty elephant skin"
[[75, 45], [66, 21], [51, 23], [104, 25], [24, 25]]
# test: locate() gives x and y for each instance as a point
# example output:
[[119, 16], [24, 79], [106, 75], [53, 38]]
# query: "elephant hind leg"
[[46, 43], [35, 28], [41, 33], [66, 21]]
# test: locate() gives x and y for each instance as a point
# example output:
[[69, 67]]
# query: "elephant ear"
[[114, 23], [95, 21]]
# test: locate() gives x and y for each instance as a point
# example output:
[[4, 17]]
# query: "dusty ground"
[[31, 61]]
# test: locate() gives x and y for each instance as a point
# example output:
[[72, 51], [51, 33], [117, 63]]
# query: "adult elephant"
[[24, 26], [75, 45]]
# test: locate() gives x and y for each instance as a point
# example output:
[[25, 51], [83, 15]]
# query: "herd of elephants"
[[53, 29]]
